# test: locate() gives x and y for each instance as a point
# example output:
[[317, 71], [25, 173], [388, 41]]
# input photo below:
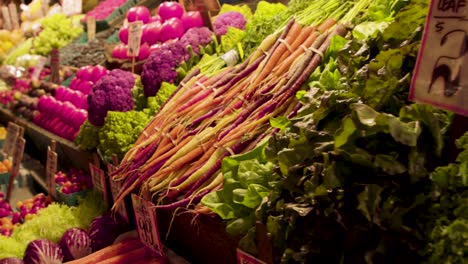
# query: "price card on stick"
[[99, 178], [45, 7], [6, 18], [116, 186], [91, 28], [13, 132], [17, 158], [51, 169], [441, 74], [145, 217], [245, 258], [71, 7], [135, 30], [14, 16], [55, 66]]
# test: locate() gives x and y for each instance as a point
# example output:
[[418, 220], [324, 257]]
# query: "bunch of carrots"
[[130, 250], [177, 159]]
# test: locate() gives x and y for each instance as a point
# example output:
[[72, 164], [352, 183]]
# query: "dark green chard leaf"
[[354, 177]]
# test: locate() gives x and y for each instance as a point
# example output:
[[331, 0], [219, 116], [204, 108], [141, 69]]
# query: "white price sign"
[[19, 150], [145, 217], [134, 38], [51, 169], [13, 132], [14, 16], [91, 27], [99, 180], [6, 18], [71, 7], [441, 72], [116, 186], [44, 7], [17, 158]]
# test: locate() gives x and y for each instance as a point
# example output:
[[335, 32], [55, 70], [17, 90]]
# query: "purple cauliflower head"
[[178, 50], [115, 78], [161, 67], [195, 37], [111, 93], [228, 19]]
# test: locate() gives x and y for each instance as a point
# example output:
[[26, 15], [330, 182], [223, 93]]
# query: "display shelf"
[[198, 238], [69, 154]]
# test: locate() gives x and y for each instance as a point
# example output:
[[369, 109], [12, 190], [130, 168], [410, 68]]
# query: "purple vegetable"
[[103, 231], [75, 244], [169, 10], [228, 19], [43, 251]]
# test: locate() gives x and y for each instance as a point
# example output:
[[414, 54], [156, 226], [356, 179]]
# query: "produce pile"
[[52, 222], [83, 54], [57, 32], [354, 176], [74, 181], [8, 40], [178, 156], [170, 23], [25, 211]]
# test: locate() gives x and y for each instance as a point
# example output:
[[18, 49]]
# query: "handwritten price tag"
[[71, 7], [13, 132], [116, 186], [134, 38], [19, 150], [145, 217], [91, 28], [99, 180], [441, 73], [51, 170], [245, 258], [44, 7], [55, 66], [14, 16], [6, 18], [17, 158]]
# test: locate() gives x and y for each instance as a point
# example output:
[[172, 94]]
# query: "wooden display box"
[[197, 238]]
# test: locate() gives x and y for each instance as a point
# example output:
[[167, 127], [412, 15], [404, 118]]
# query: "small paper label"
[[44, 7], [441, 73], [55, 66], [91, 27], [14, 16], [245, 258], [6, 18], [145, 217], [13, 132], [18, 157], [134, 38], [38, 69], [116, 186], [231, 57], [51, 170], [71, 7], [99, 180]]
